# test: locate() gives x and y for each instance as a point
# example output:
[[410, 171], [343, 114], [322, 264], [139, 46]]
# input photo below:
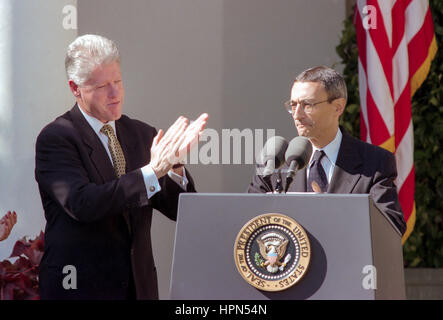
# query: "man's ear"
[[339, 105], [74, 88]]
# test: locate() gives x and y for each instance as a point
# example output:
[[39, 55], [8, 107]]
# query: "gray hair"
[[331, 80], [87, 52]]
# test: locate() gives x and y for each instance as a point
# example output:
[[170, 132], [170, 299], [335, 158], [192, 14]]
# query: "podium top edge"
[[307, 194]]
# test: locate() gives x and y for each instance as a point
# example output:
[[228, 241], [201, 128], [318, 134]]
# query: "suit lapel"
[[128, 142], [98, 154], [128, 145], [346, 173]]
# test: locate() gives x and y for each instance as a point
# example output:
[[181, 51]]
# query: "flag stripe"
[[410, 223], [402, 115], [385, 10], [401, 74], [406, 193], [422, 72], [416, 14], [363, 115], [377, 127], [421, 39], [379, 87], [398, 19], [405, 162], [381, 46]]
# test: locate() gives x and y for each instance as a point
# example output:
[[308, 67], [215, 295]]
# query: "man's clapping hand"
[[172, 147]]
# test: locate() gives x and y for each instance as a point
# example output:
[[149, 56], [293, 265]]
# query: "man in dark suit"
[[339, 162], [100, 175]]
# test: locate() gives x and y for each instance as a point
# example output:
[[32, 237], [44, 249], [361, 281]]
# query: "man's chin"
[[113, 117], [115, 114], [303, 131], [117, 117]]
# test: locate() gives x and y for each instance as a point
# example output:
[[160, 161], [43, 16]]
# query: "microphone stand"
[[288, 183], [279, 185], [293, 167], [267, 180]]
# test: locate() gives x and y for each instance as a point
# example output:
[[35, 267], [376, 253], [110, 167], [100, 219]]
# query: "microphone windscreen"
[[274, 149], [300, 150]]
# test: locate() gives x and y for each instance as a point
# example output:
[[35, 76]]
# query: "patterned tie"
[[317, 173], [118, 158]]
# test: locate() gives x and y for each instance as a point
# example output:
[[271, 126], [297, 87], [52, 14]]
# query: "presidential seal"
[[272, 252]]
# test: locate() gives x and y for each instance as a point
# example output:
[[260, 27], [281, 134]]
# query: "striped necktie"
[[317, 173]]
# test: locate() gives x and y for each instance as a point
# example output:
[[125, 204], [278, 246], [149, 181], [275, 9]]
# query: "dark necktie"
[[317, 173]]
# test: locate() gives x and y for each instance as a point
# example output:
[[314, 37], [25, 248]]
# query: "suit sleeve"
[[62, 177], [166, 200], [384, 191]]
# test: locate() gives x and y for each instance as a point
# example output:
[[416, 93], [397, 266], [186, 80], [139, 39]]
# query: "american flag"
[[396, 44]]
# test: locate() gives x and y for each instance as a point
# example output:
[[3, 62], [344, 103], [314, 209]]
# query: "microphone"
[[297, 157], [273, 157]]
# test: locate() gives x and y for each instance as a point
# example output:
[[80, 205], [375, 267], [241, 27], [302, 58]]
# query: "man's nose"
[[113, 90], [298, 112]]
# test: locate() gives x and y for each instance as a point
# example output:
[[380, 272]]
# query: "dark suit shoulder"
[[370, 152], [137, 128], [62, 126], [376, 162], [134, 123]]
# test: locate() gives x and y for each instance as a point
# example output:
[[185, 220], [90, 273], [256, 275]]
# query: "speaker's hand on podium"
[[316, 187]]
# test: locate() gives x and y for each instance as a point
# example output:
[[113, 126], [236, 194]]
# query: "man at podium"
[[339, 162]]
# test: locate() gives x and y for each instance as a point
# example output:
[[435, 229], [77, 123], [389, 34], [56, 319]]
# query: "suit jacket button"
[[152, 188]]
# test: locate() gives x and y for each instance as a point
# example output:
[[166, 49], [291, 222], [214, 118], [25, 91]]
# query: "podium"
[[356, 250]]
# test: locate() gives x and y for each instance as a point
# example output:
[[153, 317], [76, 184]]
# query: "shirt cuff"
[[181, 181], [151, 181]]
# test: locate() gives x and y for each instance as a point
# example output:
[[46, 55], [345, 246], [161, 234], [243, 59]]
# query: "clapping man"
[[100, 175]]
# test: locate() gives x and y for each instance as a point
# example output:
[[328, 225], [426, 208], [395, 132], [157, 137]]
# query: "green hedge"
[[424, 247]]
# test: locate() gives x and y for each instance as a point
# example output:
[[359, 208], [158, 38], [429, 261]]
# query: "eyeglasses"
[[306, 106]]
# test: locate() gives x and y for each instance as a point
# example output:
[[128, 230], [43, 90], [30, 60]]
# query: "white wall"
[[33, 92], [233, 59]]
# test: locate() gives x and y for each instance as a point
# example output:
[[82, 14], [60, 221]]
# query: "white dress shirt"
[[149, 177], [328, 161]]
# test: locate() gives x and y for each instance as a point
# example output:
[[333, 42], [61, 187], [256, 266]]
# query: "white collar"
[[331, 149], [95, 123]]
